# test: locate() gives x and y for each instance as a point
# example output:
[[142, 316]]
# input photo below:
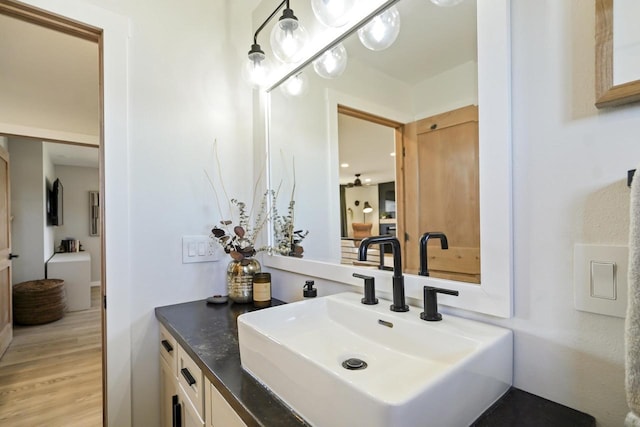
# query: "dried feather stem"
[[224, 190]]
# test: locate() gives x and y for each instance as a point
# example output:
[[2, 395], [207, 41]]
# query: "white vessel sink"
[[418, 373]]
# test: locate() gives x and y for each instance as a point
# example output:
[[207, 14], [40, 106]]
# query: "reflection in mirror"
[[626, 41], [418, 96], [617, 45]]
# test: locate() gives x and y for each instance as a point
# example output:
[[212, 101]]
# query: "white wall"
[[569, 166], [27, 209], [455, 88], [77, 182]]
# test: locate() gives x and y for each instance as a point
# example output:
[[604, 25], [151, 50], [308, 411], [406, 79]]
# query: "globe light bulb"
[[257, 67], [332, 63], [333, 13], [446, 3], [288, 38], [381, 31], [295, 85]]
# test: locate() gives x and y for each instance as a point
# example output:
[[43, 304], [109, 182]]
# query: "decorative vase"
[[240, 279]]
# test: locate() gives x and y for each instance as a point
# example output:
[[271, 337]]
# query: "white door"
[[6, 318]]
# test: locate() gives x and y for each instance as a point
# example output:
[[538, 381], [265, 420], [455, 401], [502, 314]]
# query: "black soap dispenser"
[[308, 290]]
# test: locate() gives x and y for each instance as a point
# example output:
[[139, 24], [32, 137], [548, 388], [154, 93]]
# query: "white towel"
[[632, 420], [632, 323]]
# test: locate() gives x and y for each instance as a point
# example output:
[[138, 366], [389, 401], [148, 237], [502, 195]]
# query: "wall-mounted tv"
[[56, 211]]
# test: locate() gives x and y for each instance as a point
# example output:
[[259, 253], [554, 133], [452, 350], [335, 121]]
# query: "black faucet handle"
[[430, 312], [369, 289], [308, 290]]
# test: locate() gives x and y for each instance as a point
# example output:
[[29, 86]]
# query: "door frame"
[[78, 18], [5, 260]]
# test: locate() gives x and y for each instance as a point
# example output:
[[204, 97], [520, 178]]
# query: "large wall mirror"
[[419, 135], [617, 52]]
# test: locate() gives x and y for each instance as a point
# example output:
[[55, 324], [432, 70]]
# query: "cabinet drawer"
[[222, 414], [191, 380], [169, 350], [189, 416]]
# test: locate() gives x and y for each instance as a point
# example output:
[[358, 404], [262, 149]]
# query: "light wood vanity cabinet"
[[218, 412], [187, 398]]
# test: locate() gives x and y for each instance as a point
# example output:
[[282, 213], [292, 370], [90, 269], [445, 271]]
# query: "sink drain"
[[354, 364]]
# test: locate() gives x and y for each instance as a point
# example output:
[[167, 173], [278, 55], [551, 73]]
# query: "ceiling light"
[[288, 37], [392, 154], [344, 165], [381, 31], [446, 3], [333, 13], [332, 63], [295, 85], [367, 180]]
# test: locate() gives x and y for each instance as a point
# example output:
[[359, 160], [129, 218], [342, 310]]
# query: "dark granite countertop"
[[522, 409], [209, 333]]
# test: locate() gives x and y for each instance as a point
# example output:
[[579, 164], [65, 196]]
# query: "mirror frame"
[[608, 94], [494, 295]]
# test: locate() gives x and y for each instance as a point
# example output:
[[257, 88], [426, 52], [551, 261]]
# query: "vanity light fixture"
[[446, 3], [295, 85], [332, 63], [333, 13], [288, 37], [381, 31]]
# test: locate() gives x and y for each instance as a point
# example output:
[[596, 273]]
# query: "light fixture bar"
[[264, 24], [334, 43]]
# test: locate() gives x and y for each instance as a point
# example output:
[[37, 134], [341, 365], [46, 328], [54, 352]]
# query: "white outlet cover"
[[584, 256]]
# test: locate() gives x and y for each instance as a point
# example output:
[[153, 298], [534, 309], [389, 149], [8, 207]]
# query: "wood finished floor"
[[51, 375]]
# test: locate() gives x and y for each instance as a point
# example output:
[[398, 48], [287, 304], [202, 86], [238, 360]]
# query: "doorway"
[[44, 120]]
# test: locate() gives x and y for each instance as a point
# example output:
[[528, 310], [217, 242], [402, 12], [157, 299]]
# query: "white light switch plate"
[[600, 279], [199, 248]]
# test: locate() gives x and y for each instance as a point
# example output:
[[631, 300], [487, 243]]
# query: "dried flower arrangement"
[[287, 240], [239, 241]]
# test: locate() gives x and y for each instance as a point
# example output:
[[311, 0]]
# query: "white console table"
[[75, 269]]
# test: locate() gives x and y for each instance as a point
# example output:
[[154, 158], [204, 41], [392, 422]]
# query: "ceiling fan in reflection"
[[356, 182]]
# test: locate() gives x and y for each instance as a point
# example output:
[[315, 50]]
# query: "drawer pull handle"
[[167, 346], [187, 376], [177, 412]]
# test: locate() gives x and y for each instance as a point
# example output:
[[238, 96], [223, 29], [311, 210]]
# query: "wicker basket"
[[39, 301]]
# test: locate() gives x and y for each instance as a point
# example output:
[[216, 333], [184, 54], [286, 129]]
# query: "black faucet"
[[444, 244], [398, 279]]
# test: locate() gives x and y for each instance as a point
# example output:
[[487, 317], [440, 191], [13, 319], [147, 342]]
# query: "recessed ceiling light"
[[367, 180], [344, 165], [393, 154]]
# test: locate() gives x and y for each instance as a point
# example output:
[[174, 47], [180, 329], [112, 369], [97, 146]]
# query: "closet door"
[[441, 161]]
